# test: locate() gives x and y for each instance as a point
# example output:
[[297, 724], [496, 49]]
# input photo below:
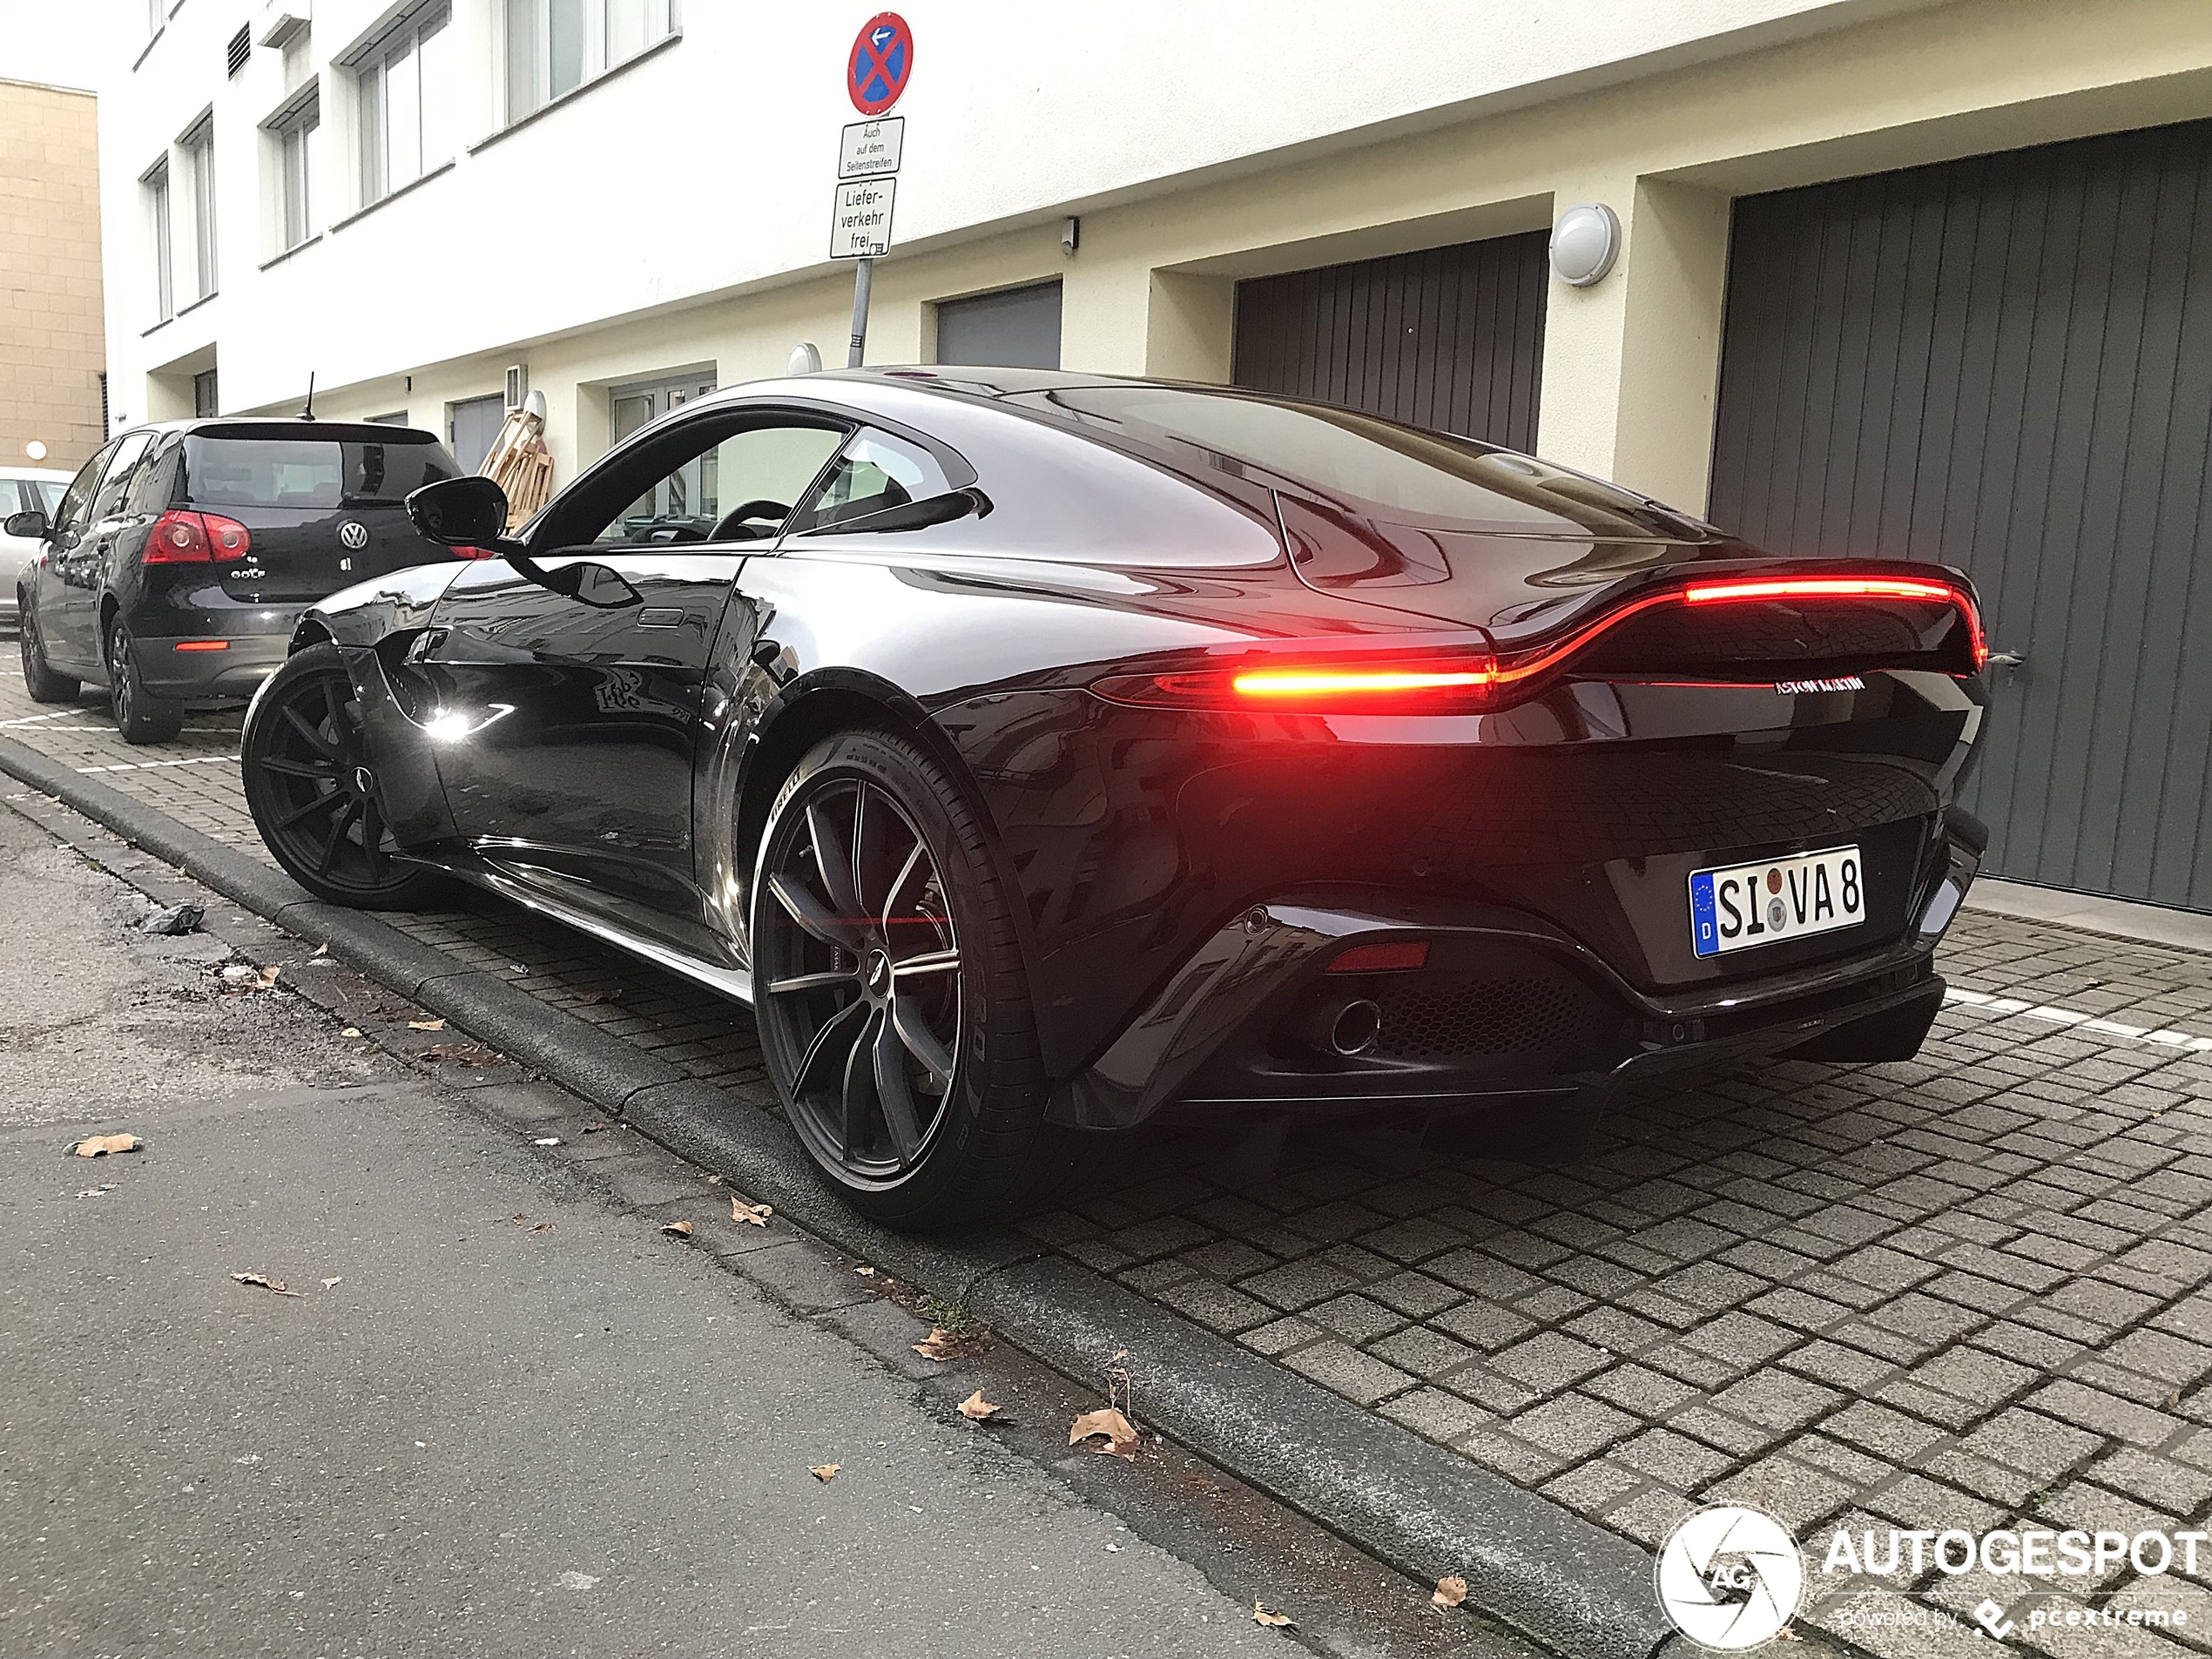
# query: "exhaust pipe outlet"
[[1345, 1027]]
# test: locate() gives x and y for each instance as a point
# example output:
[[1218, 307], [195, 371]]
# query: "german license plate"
[[1742, 905]]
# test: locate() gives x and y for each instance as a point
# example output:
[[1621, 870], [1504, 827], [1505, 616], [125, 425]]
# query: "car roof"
[[262, 426]]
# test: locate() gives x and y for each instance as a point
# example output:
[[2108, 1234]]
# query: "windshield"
[[1377, 468], [309, 472]]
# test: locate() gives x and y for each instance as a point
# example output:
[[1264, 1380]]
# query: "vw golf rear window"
[[1377, 468], [310, 473]]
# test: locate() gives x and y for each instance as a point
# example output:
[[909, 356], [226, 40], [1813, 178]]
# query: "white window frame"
[[291, 131], [155, 182], [400, 105], [198, 147], [611, 33]]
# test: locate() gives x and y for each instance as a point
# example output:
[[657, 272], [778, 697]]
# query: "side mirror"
[[30, 525], [593, 584], [460, 512]]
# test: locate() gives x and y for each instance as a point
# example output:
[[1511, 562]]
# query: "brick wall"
[[51, 349]]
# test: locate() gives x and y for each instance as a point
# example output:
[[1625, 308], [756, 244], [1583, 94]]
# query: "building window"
[[555, 46], [204, 403], [290, 131], [198, 145], [400, 82], [156, 184]]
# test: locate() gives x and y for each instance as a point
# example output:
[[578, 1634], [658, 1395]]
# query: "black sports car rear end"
[[1044, 753]]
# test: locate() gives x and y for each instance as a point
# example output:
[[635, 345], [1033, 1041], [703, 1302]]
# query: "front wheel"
[[311, 786], [893, 1003], [140, 715]]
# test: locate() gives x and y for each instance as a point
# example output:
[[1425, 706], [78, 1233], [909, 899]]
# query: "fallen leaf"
[[680, 1229], [267, 1284], [350, 1031], [757, 1214], [1121, 1439], [269, 974], [714, 1180], [977, 1409], [865, 1272], [1450, 1592], [543, 1227], [825, 1473], [941, 1344], [547, 1140], [323, 949], [595, 1126], [98, 1146], [1261, 1615], [426, 1025], [333, 1284]]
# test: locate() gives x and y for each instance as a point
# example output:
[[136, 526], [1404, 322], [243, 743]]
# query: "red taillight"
[[1394, 957], [197, 539], [1849, 588], [1459, 683]]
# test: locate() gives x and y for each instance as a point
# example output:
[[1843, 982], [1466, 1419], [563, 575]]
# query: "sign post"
[[867, 160]]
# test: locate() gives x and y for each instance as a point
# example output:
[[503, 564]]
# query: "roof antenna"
[[307, 409]]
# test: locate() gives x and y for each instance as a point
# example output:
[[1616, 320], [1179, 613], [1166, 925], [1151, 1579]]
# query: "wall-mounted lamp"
[[35, 449], [1586, 239], [1071, 234], [805, 359]]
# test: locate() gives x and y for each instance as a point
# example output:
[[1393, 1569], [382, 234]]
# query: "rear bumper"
[[236, 671], [1507, 1007]]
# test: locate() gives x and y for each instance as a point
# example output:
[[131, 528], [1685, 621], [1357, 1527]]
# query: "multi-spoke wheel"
[[311, 784], [893, 1004]]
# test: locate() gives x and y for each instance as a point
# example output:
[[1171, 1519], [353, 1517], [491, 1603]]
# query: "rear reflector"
[[473, 553], [202, 644], [1394, 957], [197, 539]]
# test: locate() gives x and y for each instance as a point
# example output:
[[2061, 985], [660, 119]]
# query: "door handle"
[[660, 617]]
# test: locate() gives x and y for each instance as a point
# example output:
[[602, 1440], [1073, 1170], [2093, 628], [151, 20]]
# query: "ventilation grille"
[[240, 49], [1434, 1016]]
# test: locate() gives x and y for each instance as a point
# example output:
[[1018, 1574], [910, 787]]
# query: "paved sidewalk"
[[1965, 1291]]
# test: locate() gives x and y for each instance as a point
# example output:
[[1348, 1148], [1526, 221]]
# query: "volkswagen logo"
[[1730, 1577], [354, 534]]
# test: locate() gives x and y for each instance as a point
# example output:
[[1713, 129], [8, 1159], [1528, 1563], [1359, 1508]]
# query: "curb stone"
[[1425, 1510]]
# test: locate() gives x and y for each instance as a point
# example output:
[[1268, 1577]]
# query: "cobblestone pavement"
[[1969, 1291]]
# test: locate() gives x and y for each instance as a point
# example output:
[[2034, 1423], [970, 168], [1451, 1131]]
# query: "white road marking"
[[151, 765], [33, 719], [1983, 1002]]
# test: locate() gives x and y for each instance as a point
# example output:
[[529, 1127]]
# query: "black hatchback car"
[[182, 555]]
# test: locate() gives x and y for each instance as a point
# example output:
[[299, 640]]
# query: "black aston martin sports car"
[[1042, 753]]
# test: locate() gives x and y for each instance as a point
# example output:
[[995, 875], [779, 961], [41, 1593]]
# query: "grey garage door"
[[2005, 364], [1013, 328], [1451, 338]]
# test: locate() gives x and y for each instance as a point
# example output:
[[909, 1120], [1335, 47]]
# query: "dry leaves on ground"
[[1122, 1438], [546, 1140], [267, 1284], [977, 1409], [98, 1146], [825, 1473], [756, 1214], [333, 1284], [543, 1227], [679, 1229], [1450, 1592], [351, 1031], [595, 1126], [943, 1342], [323, 949], [426, 1025], [1264, 1616], [239, 977]]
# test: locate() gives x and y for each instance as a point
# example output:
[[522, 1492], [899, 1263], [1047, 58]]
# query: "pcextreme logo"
[[1730, 1577]]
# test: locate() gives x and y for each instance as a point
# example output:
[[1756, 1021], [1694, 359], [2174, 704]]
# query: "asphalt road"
[[472, 1432]]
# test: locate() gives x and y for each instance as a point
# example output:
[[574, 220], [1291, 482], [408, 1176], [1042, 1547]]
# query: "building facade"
[[1924, 278], [51, 333]]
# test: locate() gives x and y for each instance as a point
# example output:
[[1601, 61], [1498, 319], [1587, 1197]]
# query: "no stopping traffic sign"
[[883, 57]]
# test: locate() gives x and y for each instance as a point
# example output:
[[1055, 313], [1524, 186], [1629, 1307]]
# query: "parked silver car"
[[24, 489]]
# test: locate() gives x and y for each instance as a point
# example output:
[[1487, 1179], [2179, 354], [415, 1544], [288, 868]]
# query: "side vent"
[[518, 385], [240, 49]]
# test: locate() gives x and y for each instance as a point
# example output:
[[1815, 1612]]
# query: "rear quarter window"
[[309, 475]]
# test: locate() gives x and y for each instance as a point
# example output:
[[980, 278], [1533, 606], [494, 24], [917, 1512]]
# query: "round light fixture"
[[1586, 239], [805, 358], [35, 449]]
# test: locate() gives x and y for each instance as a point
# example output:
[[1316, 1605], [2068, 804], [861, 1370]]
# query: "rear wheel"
[[139, 716], [893, 1003], [39, 679], [311, 785]]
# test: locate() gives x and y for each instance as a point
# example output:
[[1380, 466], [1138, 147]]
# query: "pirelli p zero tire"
[[140, 715], [311, 786], [893, 1006], [38, 677]]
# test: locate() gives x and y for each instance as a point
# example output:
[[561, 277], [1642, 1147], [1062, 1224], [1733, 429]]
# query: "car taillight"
[[1929, 592], [1458, 683], [197, 539]]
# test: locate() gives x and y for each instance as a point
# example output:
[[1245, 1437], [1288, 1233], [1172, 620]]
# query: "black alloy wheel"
[[38, 675], [892, 1001], [140, 715], [311, 785]]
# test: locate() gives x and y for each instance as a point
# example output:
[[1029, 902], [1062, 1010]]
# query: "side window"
[[128, 454], [151, 487], [876, 471], [728, 477], [76, 501]]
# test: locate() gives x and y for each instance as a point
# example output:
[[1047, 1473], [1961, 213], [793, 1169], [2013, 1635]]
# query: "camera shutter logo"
[[1729, 1577], [354, 534]]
